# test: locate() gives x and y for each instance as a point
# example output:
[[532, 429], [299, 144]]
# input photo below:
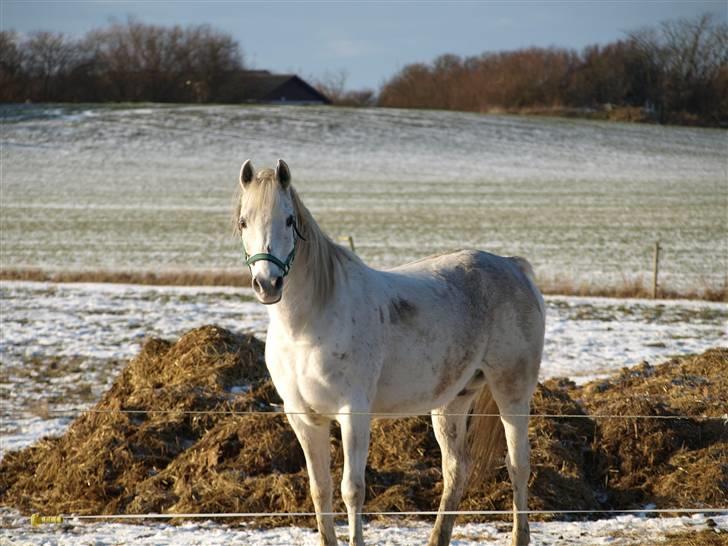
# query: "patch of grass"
[[629, 288], [165, 278]]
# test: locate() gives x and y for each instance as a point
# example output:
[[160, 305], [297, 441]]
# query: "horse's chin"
[[269, 302]]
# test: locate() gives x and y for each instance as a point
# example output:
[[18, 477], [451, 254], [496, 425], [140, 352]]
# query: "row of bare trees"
[[123, 62], [678, 70]]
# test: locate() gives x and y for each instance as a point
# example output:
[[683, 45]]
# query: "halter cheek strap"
[[285, 267]]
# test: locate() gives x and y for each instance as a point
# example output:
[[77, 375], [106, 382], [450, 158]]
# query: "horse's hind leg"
[[314, 440], [515, 421], [451, 434]]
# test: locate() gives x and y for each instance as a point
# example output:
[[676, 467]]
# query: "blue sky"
[[370, 41]]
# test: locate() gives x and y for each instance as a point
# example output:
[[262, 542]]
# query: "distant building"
[[260, 86]]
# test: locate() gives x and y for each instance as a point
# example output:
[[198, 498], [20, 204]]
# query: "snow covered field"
[[618, 531], [61, 346], [149, 187]]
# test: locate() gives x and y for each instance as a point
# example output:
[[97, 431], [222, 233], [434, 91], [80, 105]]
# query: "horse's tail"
[[486, 437]]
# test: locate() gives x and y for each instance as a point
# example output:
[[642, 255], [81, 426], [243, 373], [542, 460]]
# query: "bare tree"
[[149, 62], [11, 69], [332, 84], [48, 57], [683, 60]]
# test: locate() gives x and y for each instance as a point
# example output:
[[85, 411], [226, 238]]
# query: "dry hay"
[[168, 461]]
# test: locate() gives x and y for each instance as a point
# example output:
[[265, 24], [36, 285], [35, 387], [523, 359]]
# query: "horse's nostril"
[[265, 286]]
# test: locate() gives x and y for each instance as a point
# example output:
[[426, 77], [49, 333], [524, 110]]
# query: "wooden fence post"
[[655, 269], [349, 239]]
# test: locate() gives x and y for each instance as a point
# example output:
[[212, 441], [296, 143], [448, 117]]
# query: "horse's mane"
[[317, 255]]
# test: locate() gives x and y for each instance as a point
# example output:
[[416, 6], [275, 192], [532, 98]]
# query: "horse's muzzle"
[[268, 290]]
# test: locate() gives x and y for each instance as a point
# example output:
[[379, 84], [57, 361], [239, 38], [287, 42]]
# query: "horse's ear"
[[246, 173], [283, 174]]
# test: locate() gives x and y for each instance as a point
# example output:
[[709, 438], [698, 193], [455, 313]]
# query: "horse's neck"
[[296, 306], [300, 309]]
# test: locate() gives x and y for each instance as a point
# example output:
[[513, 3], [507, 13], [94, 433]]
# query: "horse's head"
[[267, 225]]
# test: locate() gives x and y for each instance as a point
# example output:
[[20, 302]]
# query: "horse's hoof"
[[521, 539]]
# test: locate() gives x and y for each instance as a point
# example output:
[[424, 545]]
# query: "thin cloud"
[[346, 48]]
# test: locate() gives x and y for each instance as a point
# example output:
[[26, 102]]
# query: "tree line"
[[128, 61], [677, 72]]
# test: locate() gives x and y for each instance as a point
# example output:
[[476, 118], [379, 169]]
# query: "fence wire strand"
[[424, 513], [274, 411], [65, 518], [277, 411]]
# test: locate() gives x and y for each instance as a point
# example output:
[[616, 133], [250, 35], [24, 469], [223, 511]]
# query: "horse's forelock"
[[261, 192]]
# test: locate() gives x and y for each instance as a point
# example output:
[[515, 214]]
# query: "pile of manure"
[[188, 449]]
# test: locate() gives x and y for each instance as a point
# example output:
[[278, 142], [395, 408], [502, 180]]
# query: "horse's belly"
[[417, 381]]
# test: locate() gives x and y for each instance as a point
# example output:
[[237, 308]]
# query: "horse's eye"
[[242, 223], [289, 221]]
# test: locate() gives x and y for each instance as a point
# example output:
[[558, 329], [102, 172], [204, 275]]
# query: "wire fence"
[[38, 519], [276, 411], [402, 513]]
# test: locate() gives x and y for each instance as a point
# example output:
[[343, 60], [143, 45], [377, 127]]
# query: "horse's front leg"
[[355, 440], [314, 440]]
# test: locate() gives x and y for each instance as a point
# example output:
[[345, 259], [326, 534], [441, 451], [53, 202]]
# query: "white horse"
[[347, 342]]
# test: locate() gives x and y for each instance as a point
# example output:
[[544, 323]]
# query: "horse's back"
[[489, 278]]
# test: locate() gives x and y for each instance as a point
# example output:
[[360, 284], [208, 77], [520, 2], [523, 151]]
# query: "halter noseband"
[[284, 266]]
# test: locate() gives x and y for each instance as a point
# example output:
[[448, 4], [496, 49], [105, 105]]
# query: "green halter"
[[284, 266]]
